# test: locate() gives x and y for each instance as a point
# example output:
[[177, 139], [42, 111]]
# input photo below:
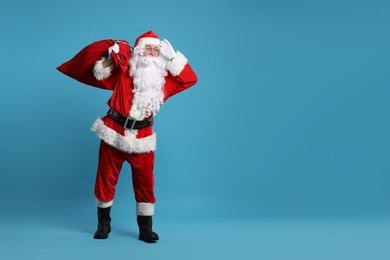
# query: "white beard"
[[148, 78]]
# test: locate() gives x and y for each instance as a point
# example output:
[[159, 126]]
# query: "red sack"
[[121, 59], [80, 67]]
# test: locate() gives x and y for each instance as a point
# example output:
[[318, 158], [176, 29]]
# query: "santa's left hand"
[[167, 50]]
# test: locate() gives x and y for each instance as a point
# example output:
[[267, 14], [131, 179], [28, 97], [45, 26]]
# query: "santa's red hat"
[[147, 38]]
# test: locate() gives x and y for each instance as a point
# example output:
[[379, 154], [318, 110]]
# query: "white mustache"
[[149, 61]]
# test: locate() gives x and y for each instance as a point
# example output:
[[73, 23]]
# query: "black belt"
[[129, 123]]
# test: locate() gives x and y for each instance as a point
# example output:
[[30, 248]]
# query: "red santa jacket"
[[89, 70]]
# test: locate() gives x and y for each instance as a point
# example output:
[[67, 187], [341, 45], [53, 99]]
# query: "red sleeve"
[[176, 84]]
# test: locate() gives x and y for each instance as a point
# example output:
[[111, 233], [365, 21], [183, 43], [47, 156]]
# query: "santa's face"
[[151, 50]]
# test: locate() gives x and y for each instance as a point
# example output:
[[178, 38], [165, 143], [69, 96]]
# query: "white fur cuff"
[[101, 73], [145, 209], [176, 65], [103, 204]]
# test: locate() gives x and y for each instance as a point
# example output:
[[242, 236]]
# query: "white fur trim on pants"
[[145, 209], [101, 73], [103, 204], [128, 143], [176, 65]]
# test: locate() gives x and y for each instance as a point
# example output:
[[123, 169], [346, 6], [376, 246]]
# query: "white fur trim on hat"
[[103, 204], [101, 73], [145, 209], [148, 40], [128, 143], [176, 65]]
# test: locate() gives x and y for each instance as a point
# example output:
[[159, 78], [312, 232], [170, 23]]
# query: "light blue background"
[[280, 151]]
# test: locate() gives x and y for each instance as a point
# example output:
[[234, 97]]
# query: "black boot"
[[104, 221], [145, 229]]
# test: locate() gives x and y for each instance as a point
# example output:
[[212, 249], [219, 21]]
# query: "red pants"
[[109, 167]]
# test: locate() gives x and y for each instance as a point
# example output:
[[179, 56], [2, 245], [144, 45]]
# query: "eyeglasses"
[[150, 49]]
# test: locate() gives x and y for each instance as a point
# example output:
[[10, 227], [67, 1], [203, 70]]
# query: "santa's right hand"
[[114, 48]]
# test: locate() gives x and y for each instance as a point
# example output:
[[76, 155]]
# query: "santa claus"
[[141, 82]]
